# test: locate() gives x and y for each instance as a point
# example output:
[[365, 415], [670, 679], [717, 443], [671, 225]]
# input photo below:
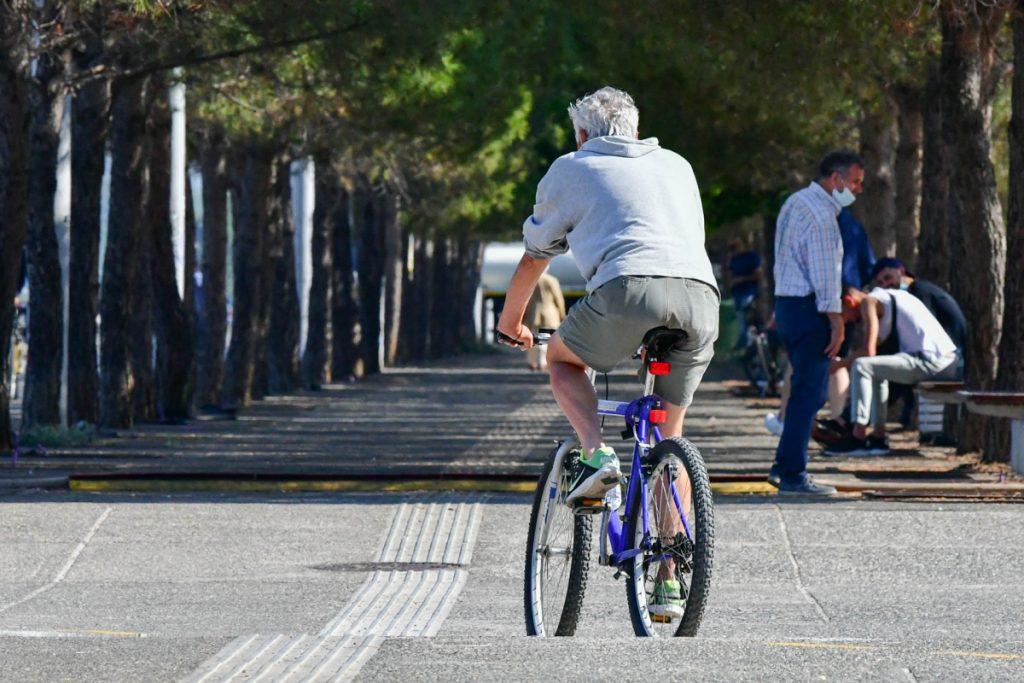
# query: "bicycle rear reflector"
[[659, 368], [658, 416]]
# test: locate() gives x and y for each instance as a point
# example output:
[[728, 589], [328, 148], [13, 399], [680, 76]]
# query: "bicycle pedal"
[[661, 618]]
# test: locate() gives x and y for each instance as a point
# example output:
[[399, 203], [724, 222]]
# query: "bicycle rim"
[[672, 551], [659, 580]]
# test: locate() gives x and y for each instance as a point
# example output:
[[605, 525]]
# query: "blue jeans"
[[805, 333]]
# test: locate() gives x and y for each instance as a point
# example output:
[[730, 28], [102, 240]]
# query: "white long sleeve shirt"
[[809, 248]]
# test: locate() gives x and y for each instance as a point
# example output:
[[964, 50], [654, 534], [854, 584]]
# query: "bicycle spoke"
[[669, 542]]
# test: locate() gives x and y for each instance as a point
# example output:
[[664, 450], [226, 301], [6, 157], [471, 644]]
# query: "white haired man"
[[631, 212]]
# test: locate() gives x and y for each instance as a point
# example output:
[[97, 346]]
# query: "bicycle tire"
[[579, 563], [681, 451]]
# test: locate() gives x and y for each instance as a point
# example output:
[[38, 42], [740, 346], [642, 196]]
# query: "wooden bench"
[[942, 392], [1006, 404]]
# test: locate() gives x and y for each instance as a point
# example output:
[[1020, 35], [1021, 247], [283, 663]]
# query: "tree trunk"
[[14, 175], [327, 197], [255, 186], [423, 298], [471, 261], [213, 321], [441, 332], [173, 328], [394, 255], [46, 297], [154, 199], [407, 331], [371, 280], [123, 257], [933, 258], [876, 208], [283, 328], [977, 232], [910, 126], [89, 123], [346, 331], [1011, 346]]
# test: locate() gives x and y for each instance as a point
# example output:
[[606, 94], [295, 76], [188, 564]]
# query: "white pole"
[[104, 212], [62, 228], [176, 100], [303, 180]]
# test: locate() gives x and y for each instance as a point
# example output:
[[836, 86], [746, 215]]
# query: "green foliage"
[[461, 106]]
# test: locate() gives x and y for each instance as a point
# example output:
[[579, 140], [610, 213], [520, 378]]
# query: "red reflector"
[[659, 368], [658, 416]]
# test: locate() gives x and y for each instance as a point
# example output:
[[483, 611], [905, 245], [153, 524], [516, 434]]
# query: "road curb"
[[59, 481], [238, 484]]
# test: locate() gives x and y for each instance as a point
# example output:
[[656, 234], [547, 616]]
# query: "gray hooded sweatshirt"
[[624, 207]]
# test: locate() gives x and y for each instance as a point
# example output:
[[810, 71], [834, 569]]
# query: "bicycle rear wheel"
[[557, 553], [673, 553]]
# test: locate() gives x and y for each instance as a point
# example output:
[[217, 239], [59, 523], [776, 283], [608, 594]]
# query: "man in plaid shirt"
[[808, 311]]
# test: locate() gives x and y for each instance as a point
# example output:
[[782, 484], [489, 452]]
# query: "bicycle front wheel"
[[668, 581], [557, 552]]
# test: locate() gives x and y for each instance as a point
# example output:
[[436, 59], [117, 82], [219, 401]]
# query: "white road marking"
[[70, 633], [67, 564], [435, 540]]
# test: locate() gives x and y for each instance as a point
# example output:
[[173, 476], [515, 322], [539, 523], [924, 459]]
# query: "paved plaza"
[[113, 586]]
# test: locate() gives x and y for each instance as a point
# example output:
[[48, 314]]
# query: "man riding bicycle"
[[631, 212]]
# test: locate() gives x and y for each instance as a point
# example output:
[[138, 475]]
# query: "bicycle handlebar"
[[540, 338]]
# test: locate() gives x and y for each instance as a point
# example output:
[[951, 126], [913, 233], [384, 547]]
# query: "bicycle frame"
[[645, 436], [637, 414]]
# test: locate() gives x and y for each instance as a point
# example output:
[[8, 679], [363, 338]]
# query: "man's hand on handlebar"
[[520, 338]]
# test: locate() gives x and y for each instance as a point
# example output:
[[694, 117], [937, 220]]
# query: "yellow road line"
[[1005, 656], [351, 485], [735, 488], [297, 486], [821, 646], [982, 655]]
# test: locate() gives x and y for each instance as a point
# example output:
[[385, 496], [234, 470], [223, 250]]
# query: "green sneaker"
[[667, 602], [594, 476]]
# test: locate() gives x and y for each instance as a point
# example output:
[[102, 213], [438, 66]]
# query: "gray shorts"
[[609, 324]]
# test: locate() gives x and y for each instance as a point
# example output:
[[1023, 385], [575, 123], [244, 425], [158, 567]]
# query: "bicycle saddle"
[[661, 340]]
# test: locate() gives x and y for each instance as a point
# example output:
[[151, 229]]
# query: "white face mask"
[[845, 197]]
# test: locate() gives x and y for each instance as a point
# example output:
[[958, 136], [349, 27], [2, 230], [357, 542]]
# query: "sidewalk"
[[472, 417]]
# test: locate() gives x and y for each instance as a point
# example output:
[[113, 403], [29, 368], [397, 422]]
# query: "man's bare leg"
[[574, 393], [669, 523]]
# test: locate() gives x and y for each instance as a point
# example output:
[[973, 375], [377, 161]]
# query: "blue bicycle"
[[661, 539]]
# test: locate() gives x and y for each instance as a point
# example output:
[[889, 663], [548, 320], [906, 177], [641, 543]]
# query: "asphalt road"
[[143, 587]]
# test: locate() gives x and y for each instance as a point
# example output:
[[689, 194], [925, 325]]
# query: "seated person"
[[904, 343], [892, 274]]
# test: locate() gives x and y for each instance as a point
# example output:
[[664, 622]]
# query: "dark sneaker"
[[828, 432], [835, 426], [805, 487], [593, 477], [667, 602], [879, 445], [850, 445], [773, 477]]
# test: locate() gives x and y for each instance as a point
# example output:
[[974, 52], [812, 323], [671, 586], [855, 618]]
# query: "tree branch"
[[107, 70]]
